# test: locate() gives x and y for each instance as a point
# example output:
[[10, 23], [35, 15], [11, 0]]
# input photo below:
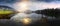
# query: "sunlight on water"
[[26, 20]]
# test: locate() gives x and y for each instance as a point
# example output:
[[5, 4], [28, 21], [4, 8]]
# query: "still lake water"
[[18, 17]]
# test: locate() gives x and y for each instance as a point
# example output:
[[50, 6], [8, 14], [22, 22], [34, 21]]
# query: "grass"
[[5, 12]]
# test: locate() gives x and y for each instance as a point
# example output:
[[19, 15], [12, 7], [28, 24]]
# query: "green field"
[[5, 12]]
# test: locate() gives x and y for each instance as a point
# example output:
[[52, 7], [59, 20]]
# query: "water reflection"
[[34, 17], [22, 19], [20, 16]]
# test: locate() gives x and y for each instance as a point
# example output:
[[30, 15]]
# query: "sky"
[[33, 4], [43, 4]]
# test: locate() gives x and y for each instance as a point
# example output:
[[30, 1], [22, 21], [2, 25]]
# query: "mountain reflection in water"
[[16, 20]]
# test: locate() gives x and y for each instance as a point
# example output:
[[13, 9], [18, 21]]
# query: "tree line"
[[49, 12]]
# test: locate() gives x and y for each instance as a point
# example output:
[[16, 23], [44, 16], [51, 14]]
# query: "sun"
[[22, 6]]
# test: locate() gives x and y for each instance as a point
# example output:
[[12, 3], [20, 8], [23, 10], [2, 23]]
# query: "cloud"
[[38, 5], [47, 0], [43, 5], [8, 1]]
